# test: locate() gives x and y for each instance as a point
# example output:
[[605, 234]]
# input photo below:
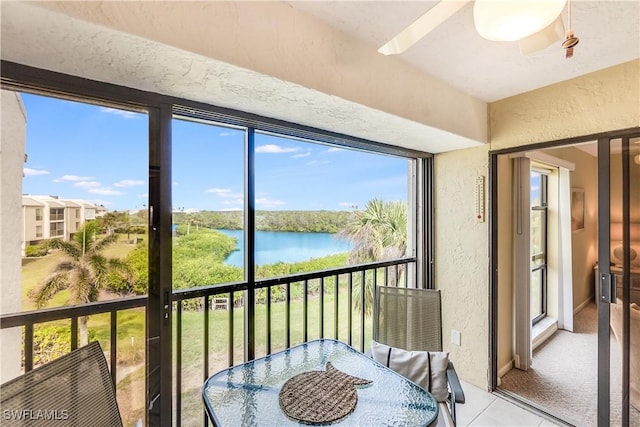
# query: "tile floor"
[[491, 410]]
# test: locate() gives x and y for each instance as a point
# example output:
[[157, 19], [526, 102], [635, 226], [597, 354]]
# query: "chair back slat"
[[408, 318], [75, 389]]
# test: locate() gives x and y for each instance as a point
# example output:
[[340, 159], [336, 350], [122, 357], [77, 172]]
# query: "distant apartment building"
[[48, 217]]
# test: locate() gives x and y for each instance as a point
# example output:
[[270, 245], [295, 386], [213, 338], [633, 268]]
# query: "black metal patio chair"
[[410, 319]]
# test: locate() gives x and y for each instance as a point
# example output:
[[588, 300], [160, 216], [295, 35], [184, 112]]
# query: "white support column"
[[522, 261], [12, 147], [565, 279]]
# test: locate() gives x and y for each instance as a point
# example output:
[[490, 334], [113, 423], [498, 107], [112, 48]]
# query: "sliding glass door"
[[618, 278]]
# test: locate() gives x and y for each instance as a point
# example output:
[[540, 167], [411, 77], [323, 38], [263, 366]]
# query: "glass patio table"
[[248, 394]]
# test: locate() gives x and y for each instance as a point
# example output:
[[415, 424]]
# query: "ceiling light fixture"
[[534, 24], [636, 159], [546, 37], [508, 20]]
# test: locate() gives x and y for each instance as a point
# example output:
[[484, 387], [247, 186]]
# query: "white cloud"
[[218, 190], [106, 191], [121, 113], [275, 149], [298, 156], [34, 172], [87, 184], [228, 196], [73, 178], [144, 195], [129, 183], [263, 202], [334, 150]]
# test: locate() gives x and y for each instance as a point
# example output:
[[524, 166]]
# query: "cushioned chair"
[[409, 321], [73, 390], [634, 349]]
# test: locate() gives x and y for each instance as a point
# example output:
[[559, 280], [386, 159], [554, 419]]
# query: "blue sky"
[[100, 154]]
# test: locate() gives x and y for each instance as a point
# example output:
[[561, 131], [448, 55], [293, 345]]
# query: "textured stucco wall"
[[274, 39], [603, 101], [462, 256], [12, 146]]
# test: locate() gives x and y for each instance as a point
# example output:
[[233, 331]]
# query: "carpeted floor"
[[563, 379]]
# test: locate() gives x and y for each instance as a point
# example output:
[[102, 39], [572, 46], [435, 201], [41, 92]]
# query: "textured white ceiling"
[[609, 33], [97, 45]]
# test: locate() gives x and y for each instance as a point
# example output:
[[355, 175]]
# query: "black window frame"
[[161, 109]]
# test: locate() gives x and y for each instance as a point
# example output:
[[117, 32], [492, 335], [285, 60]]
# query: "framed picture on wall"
[[577, 209]]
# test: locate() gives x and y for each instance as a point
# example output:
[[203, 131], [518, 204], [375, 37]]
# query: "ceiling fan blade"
[[422, 26], [543, 38]]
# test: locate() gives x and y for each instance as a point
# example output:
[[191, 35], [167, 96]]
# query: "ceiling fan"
[[534, 24]]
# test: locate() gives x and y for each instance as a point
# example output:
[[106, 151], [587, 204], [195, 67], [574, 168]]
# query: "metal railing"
[[282, 303], [29, 319]]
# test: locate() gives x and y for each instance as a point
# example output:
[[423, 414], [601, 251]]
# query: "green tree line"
[[297, 221]]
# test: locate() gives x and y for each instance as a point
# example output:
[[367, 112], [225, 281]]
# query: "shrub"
[[136, 280], [51, 341], [35, 251]]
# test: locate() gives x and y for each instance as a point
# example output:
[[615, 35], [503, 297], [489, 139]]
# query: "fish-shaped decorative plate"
[[320, 396]]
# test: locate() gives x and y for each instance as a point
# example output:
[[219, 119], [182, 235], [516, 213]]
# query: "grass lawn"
[[33, 271]]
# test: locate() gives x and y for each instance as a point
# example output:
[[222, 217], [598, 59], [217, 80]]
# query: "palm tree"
[[378, 233], [193, 218], [84, 272]]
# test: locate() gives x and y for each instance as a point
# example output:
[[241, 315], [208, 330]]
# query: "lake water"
[[287, 247]]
